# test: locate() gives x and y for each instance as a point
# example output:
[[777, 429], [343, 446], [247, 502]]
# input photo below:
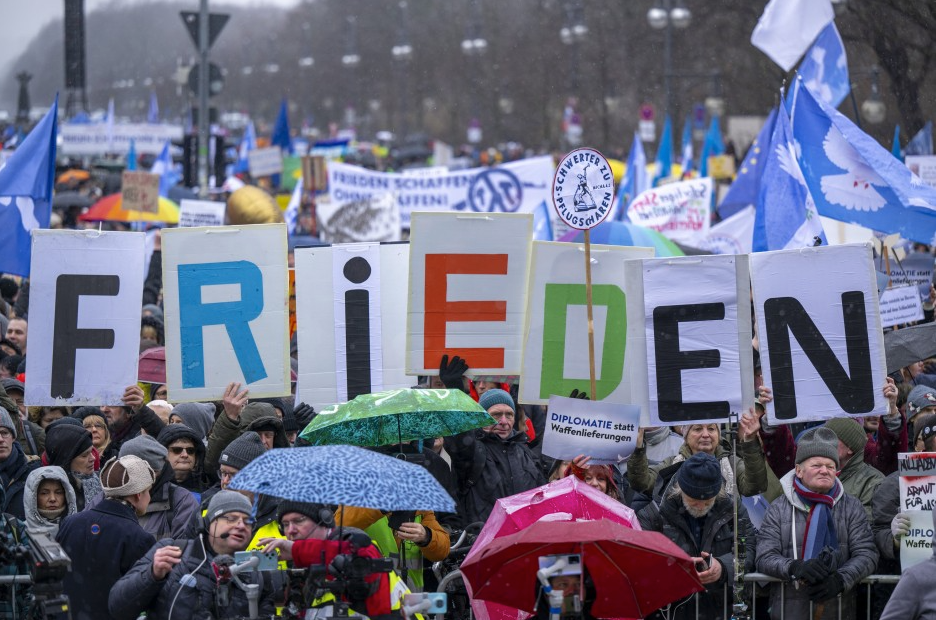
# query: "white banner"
[[98, 139], [374, 219], [917, 472], [698, 337], [555, 351], [819, 330], [227, 315], [516, 187], [681, 211], [201, 213], [734, 235], [264, 162], [85, 336], [467, 291], [900, 305], [604, 431], [354, 339]]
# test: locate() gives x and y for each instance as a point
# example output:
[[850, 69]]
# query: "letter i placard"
[[582, 194]]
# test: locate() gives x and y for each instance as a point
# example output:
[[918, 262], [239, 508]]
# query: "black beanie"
[[82, 412], [64, 443], [700, 476], [320, 513], [242, 450], [174, 432]]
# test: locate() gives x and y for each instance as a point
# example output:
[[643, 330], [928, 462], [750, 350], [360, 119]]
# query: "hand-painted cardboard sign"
[[84, 338], [604, 431], [917, 471], [698, 333], [467, 291], [226, 305], [352, 305], [555, 354], [681, 211], [819, 330]]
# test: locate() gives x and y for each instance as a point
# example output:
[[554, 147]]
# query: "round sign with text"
[[583, 189]]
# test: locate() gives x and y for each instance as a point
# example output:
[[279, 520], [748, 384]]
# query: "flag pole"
[[591, 322]]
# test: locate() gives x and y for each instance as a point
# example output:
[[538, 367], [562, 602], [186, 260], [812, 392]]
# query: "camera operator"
[[181, 578], [312, 541], [12, 535]]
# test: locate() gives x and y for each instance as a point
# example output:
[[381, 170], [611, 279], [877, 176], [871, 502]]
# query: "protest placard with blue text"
[[917, 471], [227, 312], [604, 431], [84, 337]]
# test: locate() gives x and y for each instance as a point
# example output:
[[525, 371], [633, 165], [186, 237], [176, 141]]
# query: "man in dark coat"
[[105, 541], [698, 516], [14, 467], [492, 462]]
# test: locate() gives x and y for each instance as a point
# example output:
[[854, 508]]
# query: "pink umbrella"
[[567, 499]]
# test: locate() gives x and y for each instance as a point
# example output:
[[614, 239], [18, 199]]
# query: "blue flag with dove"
[[854, 179], [26, 183], [825, 67]]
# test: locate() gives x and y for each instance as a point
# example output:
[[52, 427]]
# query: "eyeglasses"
[[180, 450], [233, 520], [5, 433], [227, 474], [502, 414], [298, 522]]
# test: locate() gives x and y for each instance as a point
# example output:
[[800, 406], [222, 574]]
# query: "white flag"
[[788, 27], [732, 235]]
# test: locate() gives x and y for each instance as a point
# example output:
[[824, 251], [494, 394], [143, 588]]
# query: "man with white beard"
[[698, 515]]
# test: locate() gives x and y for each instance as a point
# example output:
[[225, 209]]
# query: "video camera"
[[347, 574], [43, 564]]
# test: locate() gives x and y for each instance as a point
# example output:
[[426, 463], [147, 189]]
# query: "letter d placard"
[[227, 313]]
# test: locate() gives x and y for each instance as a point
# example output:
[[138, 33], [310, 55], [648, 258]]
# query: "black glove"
[[451, 373], [830, 587], [304, 414], [358, 540], [577, 394], [810, 571]]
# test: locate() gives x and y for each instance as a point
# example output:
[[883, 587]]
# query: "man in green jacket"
[[857, 477]]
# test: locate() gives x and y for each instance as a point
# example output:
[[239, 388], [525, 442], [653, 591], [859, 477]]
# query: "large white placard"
[[467, 291], [84, 337], [900, 305], [227, 314], [698, 334], [351, 304], [555, 353], [516, 187], [201, 213], [264, 162], [819, 331], [99, 138], [604, 431], [681, 211], [917, 471]]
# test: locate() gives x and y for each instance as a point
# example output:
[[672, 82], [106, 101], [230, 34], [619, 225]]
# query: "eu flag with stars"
[[26, 183], [746, 186], [854, 179]]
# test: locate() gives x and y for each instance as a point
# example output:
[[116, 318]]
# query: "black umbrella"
[[64, 200], [906, 346]]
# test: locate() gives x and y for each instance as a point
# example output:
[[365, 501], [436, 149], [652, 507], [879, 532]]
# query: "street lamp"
[[666, 15], [402, 52], [474, 45], [307, 61]]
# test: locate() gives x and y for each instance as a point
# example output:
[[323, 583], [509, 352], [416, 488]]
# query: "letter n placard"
[[227, 310], [84, 322], [819, 328]]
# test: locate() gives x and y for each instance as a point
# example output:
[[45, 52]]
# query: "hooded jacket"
[[489, 468], [35, 522], [856, 558], [13, 472], [197, 480], [914, 598]]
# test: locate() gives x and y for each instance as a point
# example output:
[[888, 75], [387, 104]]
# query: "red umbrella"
[[634, 572], [152, 368]]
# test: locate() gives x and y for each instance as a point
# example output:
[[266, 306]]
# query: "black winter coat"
[[104, 543], [139, 590], [13, 473], [717, 539], [489, 468]]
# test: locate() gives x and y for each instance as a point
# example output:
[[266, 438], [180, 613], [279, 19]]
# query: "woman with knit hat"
[[69, 446]]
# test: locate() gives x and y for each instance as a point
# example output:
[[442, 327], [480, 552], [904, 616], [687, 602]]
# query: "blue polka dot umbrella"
[[343, 475]]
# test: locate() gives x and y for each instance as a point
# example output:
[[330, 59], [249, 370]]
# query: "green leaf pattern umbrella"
[[396, 416]]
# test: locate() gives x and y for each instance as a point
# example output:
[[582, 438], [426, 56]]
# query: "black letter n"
[[67, 338], [783, 315]]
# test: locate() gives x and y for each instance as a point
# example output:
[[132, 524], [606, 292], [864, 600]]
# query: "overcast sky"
[[23, 19]]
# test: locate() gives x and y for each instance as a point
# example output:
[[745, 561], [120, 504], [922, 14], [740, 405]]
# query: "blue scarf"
[[820, 527]]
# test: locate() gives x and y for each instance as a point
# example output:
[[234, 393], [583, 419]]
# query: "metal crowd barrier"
[[761, 578]]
